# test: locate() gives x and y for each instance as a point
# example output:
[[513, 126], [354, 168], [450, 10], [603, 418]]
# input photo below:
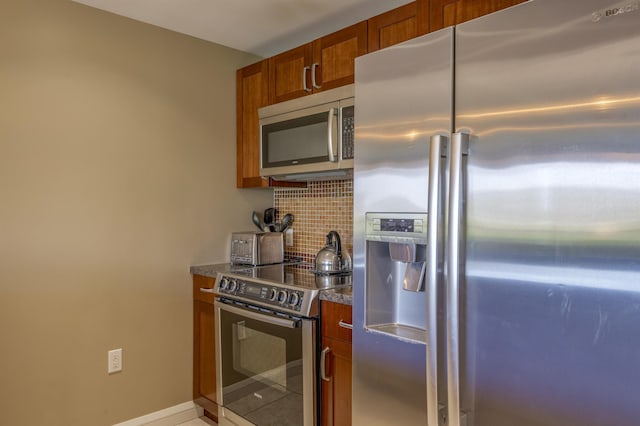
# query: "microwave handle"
[[332, 148]]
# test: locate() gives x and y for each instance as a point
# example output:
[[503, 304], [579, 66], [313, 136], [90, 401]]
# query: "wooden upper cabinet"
[[444, 13], [289, 74], [334, 56], [252, 84], [398, 25], [323, 64]]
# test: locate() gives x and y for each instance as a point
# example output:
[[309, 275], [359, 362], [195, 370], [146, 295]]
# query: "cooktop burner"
[[285, 287]]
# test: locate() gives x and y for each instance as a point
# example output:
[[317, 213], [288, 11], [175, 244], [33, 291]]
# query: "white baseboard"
[[171, 416]]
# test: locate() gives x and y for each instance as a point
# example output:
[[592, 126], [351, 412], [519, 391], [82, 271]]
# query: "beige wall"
[[117, 172]]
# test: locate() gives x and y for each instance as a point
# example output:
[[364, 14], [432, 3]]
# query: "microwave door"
[[301, 141]]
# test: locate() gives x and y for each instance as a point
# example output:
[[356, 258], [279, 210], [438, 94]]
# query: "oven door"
[[265, 367]]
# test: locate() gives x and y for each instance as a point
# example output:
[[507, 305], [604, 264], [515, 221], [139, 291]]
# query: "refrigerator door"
[[396, 114], [550, 285]]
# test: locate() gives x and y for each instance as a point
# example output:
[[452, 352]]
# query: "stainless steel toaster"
[[257, 248]]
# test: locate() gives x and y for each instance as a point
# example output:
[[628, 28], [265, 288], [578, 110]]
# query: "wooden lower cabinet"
[[336, 346], [204, 349]]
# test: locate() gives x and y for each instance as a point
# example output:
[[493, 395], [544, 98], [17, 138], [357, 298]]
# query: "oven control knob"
[[283, 296], [233, 285], [294, 298], [273, 294], [224, 283]]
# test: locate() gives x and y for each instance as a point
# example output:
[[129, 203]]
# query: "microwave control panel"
[[347, 132]]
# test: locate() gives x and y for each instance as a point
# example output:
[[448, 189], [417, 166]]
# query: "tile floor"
[[202, 421]]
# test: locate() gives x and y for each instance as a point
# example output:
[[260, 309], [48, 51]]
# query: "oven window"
[[262, 370]]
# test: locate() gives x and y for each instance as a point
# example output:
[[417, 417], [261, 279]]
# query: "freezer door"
[[403, 98], [550, 284]]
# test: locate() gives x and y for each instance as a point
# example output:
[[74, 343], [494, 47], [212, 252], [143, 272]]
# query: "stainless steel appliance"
[[332, 259], [308, 138], [266, 334], [257, 248], [515, 139]]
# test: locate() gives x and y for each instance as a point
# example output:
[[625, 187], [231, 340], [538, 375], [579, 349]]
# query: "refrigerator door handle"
[[459, 147], [437, 152]]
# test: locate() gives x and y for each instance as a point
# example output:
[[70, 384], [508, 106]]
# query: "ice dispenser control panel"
[[397, 227]]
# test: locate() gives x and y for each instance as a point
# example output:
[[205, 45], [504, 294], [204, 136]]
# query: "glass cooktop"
[[290, 274]]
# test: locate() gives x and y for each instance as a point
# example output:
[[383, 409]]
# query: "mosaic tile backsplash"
[[321, 207]]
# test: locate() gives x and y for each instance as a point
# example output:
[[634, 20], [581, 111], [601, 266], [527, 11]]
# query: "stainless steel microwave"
[[309, 138]]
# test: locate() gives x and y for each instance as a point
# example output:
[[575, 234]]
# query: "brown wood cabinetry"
[[252, 85], [204, 350], [323, 64], [328, 62], [444, 13], [336, 350], [398, 25]]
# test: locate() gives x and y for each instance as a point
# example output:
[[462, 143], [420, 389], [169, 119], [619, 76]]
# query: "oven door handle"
[[269, 319]]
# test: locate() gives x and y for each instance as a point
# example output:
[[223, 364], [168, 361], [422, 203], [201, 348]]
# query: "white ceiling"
[[262, 27]]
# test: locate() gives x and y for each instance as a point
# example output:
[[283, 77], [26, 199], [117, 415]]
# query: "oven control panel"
[[270, 295]]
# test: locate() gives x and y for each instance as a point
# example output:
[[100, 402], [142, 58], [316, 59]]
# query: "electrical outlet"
[[114, 361], [289, 237]]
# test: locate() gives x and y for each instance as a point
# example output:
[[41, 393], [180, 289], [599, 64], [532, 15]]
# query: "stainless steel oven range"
[[266, 333]]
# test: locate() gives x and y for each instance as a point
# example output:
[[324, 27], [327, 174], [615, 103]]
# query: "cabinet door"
[[336, 391], [251, 94], [336, 345], [398, 25], [334, 56], [204, 352], [290, 74], [444, 13]]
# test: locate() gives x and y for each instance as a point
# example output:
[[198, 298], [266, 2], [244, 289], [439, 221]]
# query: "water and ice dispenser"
[[395, 301]]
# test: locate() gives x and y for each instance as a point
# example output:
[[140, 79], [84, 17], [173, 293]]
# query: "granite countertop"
[[342, 295], [209, 270]]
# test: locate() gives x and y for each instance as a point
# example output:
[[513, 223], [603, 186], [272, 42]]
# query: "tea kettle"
[[331, 259]]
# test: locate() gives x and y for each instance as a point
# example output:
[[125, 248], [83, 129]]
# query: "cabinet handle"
[[314, 67], [207, 290], [345, 325], [304, 79], [323, 364]]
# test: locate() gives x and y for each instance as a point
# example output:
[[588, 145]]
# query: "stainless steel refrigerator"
[[497, 222]]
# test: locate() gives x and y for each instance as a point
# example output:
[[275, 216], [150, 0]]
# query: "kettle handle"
[[334, 236]]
